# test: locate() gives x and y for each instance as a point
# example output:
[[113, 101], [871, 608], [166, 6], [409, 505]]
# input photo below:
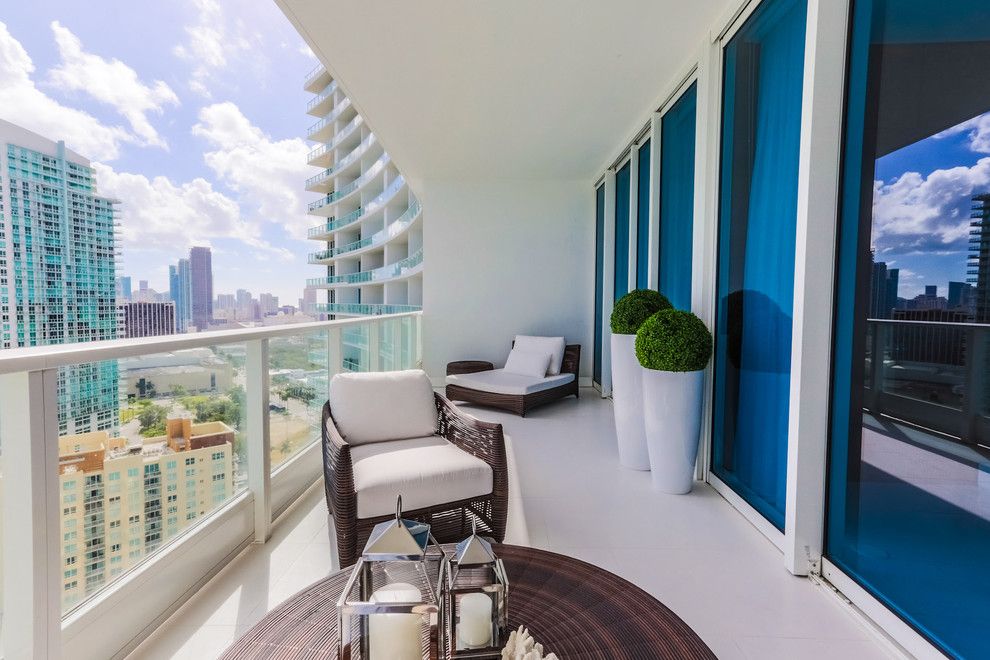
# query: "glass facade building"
[[57, 268]]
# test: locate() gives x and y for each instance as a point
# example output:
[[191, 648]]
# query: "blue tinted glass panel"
[[622, 232], [677, 199], [908, 513], [599, 276], [758, 203], [643, 218]]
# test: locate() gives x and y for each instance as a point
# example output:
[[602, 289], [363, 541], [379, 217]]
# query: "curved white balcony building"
[[370, 223]]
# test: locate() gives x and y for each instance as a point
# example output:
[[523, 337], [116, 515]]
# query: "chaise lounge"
[[525, 382]]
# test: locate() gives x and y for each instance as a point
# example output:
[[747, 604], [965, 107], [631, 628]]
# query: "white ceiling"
[[505, 89]]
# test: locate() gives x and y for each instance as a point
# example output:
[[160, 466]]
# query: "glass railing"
[[192, 445], [313, 73], [345, 132], [348, 188], [391, 271], [354, 154], [395, 228], [322, 96], [319, 178], [317, 152], [933, 374], [365, 309]]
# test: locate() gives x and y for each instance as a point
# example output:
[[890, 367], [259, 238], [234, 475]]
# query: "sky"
[[193, 114], [921, 205]]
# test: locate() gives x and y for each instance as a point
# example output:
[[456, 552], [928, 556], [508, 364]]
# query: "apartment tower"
[[57, 268]]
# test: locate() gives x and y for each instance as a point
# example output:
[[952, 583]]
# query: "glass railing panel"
[[354, 348], [298, 368], [141, 464]]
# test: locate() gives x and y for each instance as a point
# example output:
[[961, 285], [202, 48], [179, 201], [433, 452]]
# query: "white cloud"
[[212, 43], [267, 174], [157, 212], [22, 103], [111, 82], [978, 129], [915, 213]]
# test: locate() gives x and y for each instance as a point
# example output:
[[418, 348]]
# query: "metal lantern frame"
[[475, 569], [409, 549]]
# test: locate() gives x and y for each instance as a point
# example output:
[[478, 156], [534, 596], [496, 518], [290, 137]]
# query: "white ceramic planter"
[[627, 403], [672, 406]]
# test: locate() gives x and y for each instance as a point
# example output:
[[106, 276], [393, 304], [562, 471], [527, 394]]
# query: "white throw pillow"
[[391, 405], [552, 345], [527, 363]]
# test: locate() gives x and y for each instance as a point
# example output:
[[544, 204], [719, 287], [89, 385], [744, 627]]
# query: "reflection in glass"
[[621, 285], [298, 375], [677, 128], [758, 203], [909, 498]]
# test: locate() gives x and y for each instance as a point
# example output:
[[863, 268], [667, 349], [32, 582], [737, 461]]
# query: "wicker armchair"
[[450, 521]]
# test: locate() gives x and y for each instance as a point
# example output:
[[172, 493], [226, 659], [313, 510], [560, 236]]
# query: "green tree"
[[285, 448], [152, 420]]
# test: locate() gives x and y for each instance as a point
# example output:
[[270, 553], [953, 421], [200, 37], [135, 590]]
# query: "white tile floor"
[[695, 553]]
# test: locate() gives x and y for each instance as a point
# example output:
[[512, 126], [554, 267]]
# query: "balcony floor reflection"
[[695, 553]]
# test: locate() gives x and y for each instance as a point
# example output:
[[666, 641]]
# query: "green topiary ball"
[[673, 340], [634, 308]]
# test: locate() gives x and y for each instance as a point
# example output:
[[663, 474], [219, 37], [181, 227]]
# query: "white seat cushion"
[[499, 381], [553, 345], [390, 405], [425, 471]]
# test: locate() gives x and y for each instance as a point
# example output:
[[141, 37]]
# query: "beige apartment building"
[[121, 499]]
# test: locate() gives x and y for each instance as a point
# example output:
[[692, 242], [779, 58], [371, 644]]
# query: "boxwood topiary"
[[634, 308], [673, 340]]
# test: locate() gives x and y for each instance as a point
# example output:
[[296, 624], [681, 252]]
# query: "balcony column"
[[259, 442], [32, 558], [814, 262]]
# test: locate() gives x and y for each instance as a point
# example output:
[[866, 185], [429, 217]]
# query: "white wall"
[[506, 258]]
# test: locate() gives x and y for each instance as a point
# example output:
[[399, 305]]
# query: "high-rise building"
[[146, 319], [979, 258], [57, 268], [124, 287], [201, 286], [883, 290], [122, 500], [268, 304], [371, 224], [225, 301], [180, 292]]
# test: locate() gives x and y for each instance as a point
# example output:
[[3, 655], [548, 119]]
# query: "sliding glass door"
[[761, 101], [599, 278], [677, 132], [621, 286], [909, 475]]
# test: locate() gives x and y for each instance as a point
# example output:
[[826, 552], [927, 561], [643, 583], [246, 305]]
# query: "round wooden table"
[[576, 610]]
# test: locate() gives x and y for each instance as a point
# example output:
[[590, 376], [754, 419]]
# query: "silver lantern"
[[391, 607], [477, 600]]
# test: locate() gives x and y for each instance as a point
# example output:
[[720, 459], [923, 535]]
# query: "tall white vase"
[[672, 406], [627, 403]]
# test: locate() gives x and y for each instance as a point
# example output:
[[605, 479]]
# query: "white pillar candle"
[[395, 636], [474, 627]]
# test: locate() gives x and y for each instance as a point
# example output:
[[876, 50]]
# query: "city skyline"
[[186, 126]]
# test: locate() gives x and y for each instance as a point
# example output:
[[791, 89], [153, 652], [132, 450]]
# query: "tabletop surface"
[[575, 609]]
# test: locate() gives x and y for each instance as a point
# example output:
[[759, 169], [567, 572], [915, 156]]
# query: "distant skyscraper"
[[883, 290], [961, 297], [268, 304], [201, 271], [57, 268], [225, 301], [180, 292], [146, 319], [979, 258], [124, 287]]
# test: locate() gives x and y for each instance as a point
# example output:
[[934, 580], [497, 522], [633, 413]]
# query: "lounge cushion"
[[528, 363], [426, 471], [390, 405], [552, 345], [499, 381]]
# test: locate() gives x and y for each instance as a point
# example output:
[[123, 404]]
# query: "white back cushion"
[[528, 363], [552, 345], [390, 405]]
